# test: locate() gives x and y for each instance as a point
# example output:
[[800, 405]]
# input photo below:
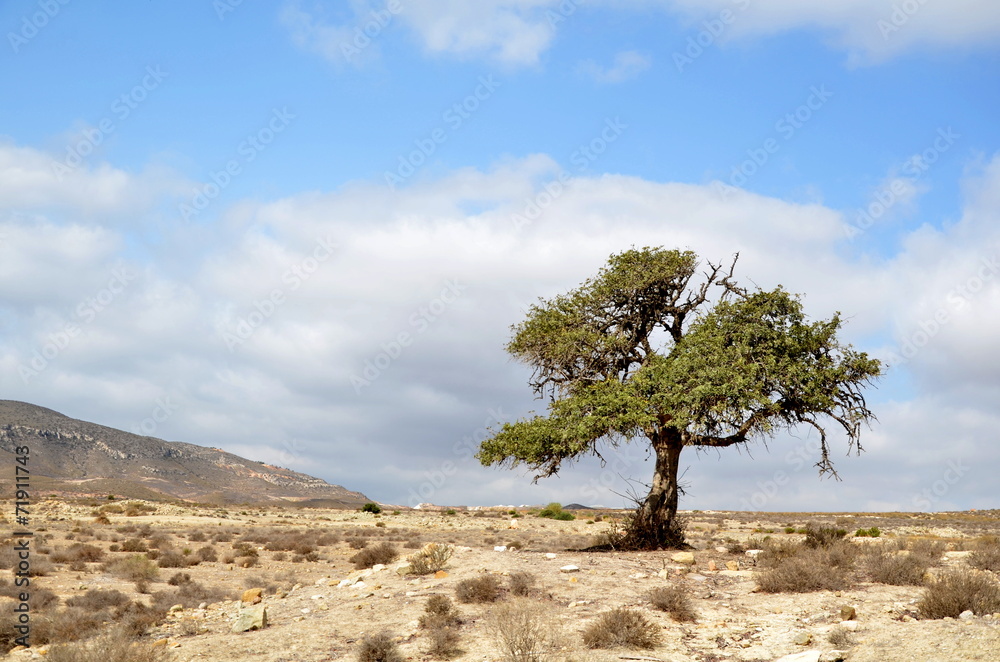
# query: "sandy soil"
[[313, 618]]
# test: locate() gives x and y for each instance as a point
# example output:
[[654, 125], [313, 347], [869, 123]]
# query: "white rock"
[[500, 548], [569, 568], [966, 615], [754, 553], [378, 566], [686, 558], [550, 555], [359, 585], [807, 656], [849, 625], [316, 597]]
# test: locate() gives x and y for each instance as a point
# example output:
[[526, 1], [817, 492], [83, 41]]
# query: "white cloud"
[[870, 30], [413, 262], [627, 65]]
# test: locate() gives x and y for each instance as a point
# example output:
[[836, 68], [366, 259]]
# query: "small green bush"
[[873, 532], [371, 507], [431, 558]]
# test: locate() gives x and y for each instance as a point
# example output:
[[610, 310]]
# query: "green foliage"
[[371, 508], [743, 370], [873, 532], [555, 511]]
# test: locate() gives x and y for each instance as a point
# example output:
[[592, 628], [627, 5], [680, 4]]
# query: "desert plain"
[[178, 574]]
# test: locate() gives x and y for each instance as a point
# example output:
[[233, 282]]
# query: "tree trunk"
[[655, 524]]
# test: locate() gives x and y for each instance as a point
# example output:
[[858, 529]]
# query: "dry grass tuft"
[[522, 630], [958, 591], [485, 588], [622, 628], [675, 601], [114, 646], [373, 555], [791, 568], [379, 648]]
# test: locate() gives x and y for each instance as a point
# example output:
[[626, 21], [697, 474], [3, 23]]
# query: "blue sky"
[[315, 179]]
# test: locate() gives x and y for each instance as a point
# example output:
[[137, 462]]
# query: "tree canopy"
[[644, 350]]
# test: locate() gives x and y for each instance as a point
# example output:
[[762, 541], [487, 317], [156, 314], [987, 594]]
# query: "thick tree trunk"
[[655, 524]]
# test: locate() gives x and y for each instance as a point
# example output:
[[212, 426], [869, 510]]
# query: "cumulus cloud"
[[627, 65], [358, 334]]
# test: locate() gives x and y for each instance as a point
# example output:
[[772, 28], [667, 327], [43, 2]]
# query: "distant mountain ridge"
[[76, 457]]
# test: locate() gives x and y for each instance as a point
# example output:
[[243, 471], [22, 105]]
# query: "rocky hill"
[[68, 456]]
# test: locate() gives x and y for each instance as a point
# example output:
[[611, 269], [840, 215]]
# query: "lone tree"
[[644, 350]]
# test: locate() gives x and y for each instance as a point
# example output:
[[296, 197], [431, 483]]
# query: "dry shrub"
[[190, 594], [791, 568], [622, 628], [986, 555], [443, 643], [39, 598], [675, 601], [96, 599], [135, 568], [379, 648], [70, 624], [172, 559], [521, 630], [522, 584], [898, 568], [840, 637], [78, 553], [439, 612], [822, 536], [179, 578], [134, 545], [197, 536], [431, 558], [113, 646], [375, 554], [485, 588], [207, 554], [958, 591]]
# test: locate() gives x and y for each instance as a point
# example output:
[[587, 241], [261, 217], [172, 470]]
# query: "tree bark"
[[655, 524]]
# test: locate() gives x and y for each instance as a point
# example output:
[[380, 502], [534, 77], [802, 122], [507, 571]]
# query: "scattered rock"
[[712, 567], [732, 565], [175, 608], [849, 625], [806, 656], [440, 574], [966, 615], [695, 577], [848, 613], [833, 656], [569, 568], [252, 596], [754, 553], [251, 618], [802, 639], [500, 548], [685, 558], [550, 555]]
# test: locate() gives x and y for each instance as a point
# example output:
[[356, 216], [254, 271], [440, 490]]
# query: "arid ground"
[[159, 556]]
